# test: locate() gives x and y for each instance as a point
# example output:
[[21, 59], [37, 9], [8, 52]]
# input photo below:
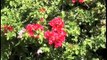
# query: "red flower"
[[8, 28], [29, 27], [57, 35], [33, 27], [58, 44], [47, 34], [81, 1], [57, 22], [55, 38], [37, 27], [31, 33]]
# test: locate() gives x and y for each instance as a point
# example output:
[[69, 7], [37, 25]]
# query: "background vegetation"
[[84, 25]]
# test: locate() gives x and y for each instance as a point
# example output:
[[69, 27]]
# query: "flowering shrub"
[[57, 35], [53, 29]]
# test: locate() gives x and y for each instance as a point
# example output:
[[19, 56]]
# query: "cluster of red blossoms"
[[57, 35], [7, 28], [80, 1], [31, 28]]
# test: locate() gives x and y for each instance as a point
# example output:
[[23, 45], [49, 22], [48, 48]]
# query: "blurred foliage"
[[84, 23]]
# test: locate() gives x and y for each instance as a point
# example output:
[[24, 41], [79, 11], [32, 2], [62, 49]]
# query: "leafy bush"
[[76, 34]]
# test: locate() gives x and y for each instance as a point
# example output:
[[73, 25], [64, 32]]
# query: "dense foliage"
[[52, 29]]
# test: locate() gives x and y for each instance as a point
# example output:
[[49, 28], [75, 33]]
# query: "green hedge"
[[84, 24]]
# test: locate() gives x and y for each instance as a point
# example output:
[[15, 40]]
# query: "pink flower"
[[41, 19], [20, 33], [73, 1], [81, 1]]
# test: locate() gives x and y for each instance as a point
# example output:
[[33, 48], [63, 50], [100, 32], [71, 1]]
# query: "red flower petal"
[[33, 27], [31, 33], [7, 28], [81, 1]]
